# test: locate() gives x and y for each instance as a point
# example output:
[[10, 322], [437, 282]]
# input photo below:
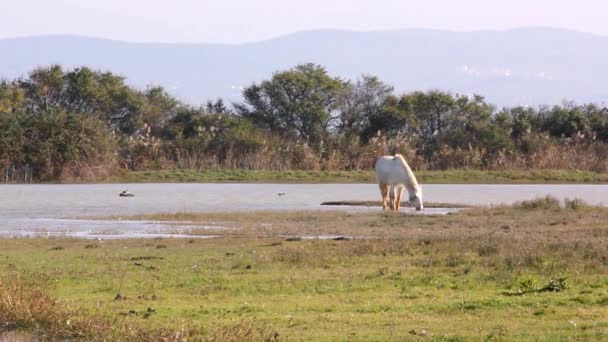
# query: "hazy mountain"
[[523, 66]]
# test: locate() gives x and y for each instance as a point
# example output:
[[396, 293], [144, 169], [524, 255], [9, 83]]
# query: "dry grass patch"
[[539, 219], [243, 330], [28, 306]]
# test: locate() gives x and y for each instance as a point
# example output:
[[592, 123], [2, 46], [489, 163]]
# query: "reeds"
[[274, 154]]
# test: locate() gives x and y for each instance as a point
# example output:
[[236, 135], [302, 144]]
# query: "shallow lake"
[[58, 209]]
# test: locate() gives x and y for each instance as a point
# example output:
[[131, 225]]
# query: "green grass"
[[426, 177], [483, 274]]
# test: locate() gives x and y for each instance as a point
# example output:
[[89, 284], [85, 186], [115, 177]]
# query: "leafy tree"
[[83, 90], [393, 119], [362, 107], [159, 107], [196, 133], [43, 89], [568, 121], [12, 139], [431, 112], [521, 121], [297, 103], [217, 107], [50, 141], [12, 98], [598, 120], [469, 117]]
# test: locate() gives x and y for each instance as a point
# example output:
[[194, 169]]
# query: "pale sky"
[[237, 21]]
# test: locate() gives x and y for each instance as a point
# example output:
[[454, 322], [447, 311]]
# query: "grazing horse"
[[393, 175]]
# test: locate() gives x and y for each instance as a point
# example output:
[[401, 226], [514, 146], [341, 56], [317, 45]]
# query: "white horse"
[[393, 175]]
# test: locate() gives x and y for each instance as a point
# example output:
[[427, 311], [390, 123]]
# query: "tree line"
[[83, 124]]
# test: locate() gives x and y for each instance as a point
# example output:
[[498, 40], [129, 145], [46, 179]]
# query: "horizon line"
[[285, 35]]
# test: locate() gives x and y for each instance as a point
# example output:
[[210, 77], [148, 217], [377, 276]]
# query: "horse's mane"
[[410, 174]]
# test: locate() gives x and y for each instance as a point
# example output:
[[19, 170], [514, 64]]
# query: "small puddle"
[[105, 229], [109, 236]]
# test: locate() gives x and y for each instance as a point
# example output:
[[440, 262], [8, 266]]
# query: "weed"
[[575, 204], [245, 329], [554, 285], [545, 203], [454, 260], [487, 249]]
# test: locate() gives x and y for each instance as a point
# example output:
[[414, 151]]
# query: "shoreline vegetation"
[[301, 176], [84, 125], [508, 273], [455, 176]]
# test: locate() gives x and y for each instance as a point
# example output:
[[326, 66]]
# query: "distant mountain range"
[[528, 66]]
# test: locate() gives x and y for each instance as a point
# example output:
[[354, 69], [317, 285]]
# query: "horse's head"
[[416, 200]]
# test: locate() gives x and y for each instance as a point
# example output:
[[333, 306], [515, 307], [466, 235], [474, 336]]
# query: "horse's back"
[[388, 171]]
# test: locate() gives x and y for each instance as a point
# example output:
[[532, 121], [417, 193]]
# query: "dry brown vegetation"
[[276, 155], [523, 220], [25, 305]]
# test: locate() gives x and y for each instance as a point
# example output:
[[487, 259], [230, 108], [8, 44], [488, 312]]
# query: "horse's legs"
[[392, 194], [384, 192], [399, 190]]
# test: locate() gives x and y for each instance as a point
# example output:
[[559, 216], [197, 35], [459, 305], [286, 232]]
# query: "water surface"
[[50, 210]]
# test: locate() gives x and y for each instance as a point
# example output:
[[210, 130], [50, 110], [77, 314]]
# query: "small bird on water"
[[125, 193]]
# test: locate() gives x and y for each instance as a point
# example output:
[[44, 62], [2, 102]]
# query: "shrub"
[[545, 203], [575, 204]]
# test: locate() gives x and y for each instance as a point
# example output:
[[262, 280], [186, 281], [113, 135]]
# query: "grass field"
[[427, 177], [535, 271]]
